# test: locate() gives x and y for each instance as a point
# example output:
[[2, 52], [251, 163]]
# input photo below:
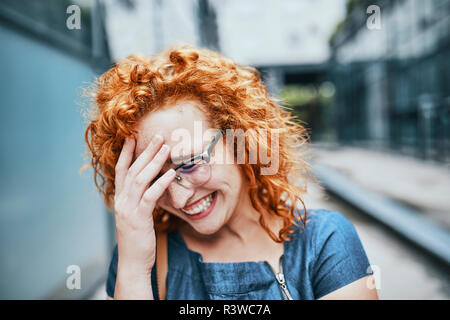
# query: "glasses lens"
[[194, 174]]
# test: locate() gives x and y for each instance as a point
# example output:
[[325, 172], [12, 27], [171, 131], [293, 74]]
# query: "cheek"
[[227, 178]]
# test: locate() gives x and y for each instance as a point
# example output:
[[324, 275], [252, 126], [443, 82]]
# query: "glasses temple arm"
[[214, 142], [188, 161], [209, 150]]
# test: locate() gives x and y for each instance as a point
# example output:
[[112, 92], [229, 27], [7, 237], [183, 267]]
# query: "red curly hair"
[[234, 97]]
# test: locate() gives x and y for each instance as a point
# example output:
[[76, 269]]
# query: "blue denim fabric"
[[322, 257]]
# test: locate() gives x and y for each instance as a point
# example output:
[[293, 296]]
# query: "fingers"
[[123, 163], [145, 157], [156, 190], [148, 173]]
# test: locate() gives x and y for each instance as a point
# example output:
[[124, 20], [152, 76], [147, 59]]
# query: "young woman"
[[190, 143]]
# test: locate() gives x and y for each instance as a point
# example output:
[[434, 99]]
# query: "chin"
[[206, 230]]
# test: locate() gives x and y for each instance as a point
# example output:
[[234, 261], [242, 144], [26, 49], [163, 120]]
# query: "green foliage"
[[296, 95]]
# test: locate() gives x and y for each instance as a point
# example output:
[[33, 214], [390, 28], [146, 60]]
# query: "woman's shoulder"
[[329, 252], [323, 219], [326, 231]]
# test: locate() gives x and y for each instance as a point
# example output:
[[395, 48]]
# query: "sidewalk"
[[418, 184]]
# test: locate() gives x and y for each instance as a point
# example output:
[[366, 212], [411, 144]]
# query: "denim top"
[[322, 257]]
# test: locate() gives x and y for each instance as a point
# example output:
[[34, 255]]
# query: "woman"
[[191, 144]]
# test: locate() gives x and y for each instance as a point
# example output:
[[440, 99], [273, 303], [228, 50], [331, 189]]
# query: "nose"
[[179, 195]]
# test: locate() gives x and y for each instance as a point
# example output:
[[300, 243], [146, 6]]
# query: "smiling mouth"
[[200, 205]]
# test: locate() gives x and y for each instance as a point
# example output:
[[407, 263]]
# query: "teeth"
[[201, 206]]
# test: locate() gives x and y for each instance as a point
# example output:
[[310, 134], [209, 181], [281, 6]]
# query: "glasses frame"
[[205, 155]]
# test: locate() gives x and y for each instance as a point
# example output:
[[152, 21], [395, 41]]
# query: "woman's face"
[[206, 208]]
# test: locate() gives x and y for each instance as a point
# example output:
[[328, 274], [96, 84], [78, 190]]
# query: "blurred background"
[[369, 79]]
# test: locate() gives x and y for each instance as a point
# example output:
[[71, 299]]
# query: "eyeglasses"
[[196, 171]]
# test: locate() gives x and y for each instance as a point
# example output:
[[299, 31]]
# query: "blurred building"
[[50, 215], [277, 33], [149, 26], [392, 84], [255, 32]]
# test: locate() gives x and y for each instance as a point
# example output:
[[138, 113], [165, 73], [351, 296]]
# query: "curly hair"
[[234, 97]]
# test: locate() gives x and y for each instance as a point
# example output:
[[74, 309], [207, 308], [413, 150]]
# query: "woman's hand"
[[134, 202]]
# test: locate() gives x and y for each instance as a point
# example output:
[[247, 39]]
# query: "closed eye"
[[186, 168]]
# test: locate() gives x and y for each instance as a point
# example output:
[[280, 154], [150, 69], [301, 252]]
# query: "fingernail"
[[164, 148], [157, 139]]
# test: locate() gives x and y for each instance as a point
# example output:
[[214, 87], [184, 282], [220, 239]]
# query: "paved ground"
[[422, 185]]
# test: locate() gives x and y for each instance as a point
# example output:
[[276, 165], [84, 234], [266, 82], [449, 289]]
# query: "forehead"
[[176, 123]]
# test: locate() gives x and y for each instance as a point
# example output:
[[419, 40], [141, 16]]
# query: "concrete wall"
[[50, 215]]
